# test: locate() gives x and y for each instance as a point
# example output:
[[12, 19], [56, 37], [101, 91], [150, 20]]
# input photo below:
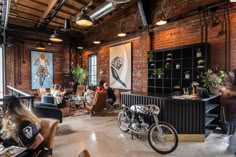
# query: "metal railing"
[[26, 98]]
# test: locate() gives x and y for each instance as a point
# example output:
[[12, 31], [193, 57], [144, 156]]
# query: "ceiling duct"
[[105, 8]]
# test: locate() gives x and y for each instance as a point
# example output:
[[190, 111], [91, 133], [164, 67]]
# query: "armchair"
[[48, 131], [98, 102]]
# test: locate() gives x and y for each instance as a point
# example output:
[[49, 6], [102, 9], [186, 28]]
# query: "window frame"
[[89, 70]]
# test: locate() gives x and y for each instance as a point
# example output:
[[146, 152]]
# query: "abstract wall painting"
[[120, 66], [41, 69]]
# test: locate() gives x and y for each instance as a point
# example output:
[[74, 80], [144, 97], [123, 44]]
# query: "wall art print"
[[41, 69], [120, 66]]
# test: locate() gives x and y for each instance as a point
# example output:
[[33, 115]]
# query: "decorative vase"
[[214, 90]]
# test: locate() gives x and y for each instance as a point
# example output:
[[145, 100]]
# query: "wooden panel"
[[28, 10]]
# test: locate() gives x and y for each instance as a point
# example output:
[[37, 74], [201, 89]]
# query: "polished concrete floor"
[[101, 136]]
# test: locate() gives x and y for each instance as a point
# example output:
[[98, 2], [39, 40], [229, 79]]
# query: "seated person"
[[89, 95], [21, 127], [100, 87], [111, 98]]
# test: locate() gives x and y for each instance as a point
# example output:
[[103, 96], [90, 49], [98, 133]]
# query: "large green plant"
[[79, 75]]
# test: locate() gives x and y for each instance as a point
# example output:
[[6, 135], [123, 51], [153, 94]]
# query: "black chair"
[[47, 110], [47, 99]]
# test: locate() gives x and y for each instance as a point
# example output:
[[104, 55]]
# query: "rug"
[[78, 112]]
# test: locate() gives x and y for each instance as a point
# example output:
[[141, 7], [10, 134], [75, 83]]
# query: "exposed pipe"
[[226, 45], [5, 13], [229, 37], [51, 15], [102, 10]]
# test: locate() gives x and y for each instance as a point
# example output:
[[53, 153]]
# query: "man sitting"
[[111, 98]]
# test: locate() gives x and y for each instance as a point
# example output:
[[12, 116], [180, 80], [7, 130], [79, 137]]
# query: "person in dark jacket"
[[111, 98], [21, 127]]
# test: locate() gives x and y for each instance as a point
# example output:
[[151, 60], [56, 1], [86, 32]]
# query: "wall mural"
[[41, 69], [120, 66]]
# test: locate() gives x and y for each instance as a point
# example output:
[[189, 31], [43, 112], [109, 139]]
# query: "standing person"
[[21, 127], [111, 98]]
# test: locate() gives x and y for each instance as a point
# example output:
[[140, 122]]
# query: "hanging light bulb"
[[55, 37], [162, 20], [122, 33], [40, 47], [97, 42]]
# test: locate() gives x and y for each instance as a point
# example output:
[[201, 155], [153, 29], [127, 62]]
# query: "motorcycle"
[[42, 76], [162, 136]]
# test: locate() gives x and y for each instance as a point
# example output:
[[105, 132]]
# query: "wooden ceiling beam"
[[51, 5]]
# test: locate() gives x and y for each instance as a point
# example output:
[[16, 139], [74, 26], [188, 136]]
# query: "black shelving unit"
[[193, 59]]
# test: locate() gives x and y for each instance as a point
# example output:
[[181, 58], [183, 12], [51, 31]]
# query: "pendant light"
[[83, 19], [232, 0], [122, 33], [55, 37], [40, 47], [162, 20], [67, 24]]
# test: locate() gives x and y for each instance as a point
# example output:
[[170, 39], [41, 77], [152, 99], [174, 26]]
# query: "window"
[[92, 70]]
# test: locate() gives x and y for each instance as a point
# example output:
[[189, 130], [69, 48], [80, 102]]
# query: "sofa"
[[48, 110]]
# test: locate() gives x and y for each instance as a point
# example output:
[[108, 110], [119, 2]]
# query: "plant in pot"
[[150, 57], [158, 72], [213, 80], [80, 75], [187, 74], [199, 52]]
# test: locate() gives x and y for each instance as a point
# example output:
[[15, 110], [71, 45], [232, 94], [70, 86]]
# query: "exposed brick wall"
[[183, 32], [60, 60]]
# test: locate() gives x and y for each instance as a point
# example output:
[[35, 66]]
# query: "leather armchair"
[[98, 102], [48, 131], [84, 153], [47, 110]]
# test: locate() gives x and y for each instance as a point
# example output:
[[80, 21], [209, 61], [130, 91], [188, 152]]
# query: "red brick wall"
[[183, 32], [60, 60]]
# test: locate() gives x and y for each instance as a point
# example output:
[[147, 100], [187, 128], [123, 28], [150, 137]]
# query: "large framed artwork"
[[120, 66], [41, 69]]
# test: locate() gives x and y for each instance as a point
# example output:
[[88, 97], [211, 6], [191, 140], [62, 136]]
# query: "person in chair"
[[21, 127], [111, 98]]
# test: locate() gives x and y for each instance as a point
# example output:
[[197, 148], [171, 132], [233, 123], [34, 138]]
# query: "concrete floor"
[[101, 136]]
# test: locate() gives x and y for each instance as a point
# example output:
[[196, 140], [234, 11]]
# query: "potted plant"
[[187, 74], [199, 52], [79, 75], [158, 72], [213, 80], [150, 57]]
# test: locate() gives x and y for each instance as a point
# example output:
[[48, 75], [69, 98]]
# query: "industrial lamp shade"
[[67, 24], [162, 20], [83, 20], [55, 37], [40, 47]]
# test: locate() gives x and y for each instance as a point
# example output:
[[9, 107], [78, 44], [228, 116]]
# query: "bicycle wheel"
[[163, 142], [122, 121]]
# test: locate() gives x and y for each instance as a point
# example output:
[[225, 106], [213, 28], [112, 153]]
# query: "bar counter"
[[194, 119]]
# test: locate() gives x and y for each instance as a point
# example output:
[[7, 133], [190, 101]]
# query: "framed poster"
[[41, 69], [120, 66]]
